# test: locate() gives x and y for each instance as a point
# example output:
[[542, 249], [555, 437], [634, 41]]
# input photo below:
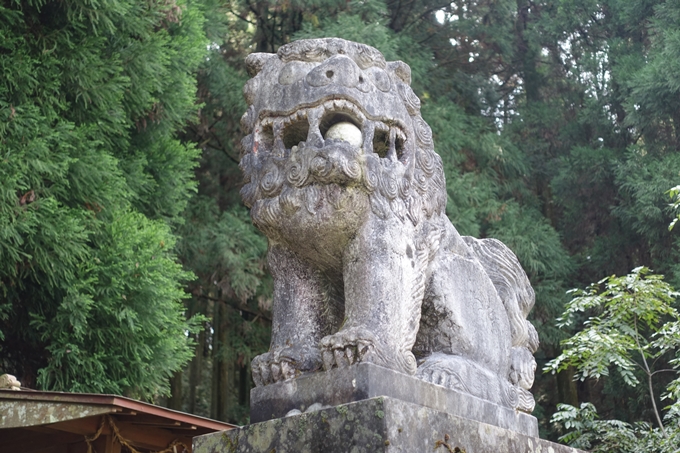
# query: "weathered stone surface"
[[364, 381], [374, 425], [341, 175]]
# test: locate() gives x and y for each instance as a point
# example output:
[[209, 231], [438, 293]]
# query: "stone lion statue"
[[341, 175]]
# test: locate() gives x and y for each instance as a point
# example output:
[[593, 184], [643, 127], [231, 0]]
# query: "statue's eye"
[[294, 71], [379, 78]]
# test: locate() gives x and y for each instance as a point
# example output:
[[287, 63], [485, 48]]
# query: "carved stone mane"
[[341, 175]]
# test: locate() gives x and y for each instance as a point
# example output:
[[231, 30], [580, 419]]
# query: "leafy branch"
[[627, 317], [674, 193]]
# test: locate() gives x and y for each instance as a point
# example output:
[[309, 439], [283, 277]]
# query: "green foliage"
[[361, 22], [115, 331], [556, 122], [652, 104], [91, 181], [631, 326], [587, 432], [544, 114], [628, 312], [643, 179], [488, 173], [674, 194], [226, 247], [218, 241]]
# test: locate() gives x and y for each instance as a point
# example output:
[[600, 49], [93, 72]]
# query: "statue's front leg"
[[303, 313], [382, 307]]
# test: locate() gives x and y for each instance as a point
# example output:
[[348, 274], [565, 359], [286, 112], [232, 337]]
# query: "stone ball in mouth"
[[345, 131]]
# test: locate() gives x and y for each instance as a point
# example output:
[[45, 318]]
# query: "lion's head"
[[311, 91]]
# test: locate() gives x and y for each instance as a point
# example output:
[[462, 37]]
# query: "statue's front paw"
[[347, 347], [281, 364]]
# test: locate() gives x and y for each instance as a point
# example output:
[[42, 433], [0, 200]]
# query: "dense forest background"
[[557, 121]]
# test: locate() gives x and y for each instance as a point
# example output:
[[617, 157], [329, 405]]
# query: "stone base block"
[[375, 425], [365, 380]]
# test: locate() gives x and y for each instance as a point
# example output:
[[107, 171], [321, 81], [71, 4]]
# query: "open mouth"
[[311, 125]]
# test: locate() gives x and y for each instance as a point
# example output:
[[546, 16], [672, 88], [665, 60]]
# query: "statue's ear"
[[401, 69], [256, 61]]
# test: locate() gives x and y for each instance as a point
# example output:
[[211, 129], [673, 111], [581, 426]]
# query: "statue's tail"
[[517, 295]]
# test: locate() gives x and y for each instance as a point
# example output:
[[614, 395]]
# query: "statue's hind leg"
[[464, 339]]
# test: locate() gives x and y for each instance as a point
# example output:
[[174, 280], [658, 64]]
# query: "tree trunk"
[[175, 400], [223, 368], [526, 54], [215, 381], [566, 387], [196, 365], [221, 379], [243, 386]]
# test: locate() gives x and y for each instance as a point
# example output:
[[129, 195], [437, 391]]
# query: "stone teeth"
[[368, 133], [267, 121], [314, 137], [342, 105], [392, 152], [279, 148]]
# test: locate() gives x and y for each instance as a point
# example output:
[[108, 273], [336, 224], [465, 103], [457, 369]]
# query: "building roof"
[[45, 422]]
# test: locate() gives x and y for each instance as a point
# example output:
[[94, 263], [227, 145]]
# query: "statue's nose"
[[339, 69]]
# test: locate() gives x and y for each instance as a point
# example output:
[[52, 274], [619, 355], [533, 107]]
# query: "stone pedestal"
[[380, 424], [366, 408], [365, 380]]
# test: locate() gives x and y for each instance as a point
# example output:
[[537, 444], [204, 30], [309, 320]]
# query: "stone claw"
[[281, 364], [349, 353], [439, 378], [340, 358], [328, 359], [261, 374], [257, 375], [276, 372], [265, 373], [346, 348], [287, 370]]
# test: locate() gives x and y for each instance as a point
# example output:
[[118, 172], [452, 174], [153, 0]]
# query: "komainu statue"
[[342, 177]]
